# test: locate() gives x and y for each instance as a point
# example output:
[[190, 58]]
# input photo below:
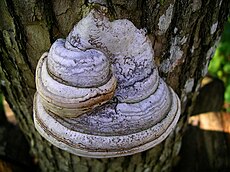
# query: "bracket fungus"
[[99, 93]]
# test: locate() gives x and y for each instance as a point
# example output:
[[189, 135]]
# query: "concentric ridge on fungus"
[[99, 93]]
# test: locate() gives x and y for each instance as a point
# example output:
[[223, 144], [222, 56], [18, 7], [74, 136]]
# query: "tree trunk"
[[184, 35]]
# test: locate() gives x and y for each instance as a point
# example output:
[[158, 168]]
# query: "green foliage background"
[[220, 64]]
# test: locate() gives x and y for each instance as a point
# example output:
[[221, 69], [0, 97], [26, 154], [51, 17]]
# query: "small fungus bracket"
[[99, 94]]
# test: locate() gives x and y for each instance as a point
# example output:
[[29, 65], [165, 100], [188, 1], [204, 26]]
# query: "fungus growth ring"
[[99, 93]]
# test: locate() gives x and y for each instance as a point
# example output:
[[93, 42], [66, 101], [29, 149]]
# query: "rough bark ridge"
[[183, 35]]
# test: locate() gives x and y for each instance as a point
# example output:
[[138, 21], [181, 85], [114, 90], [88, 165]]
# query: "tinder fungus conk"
[[99, 93]]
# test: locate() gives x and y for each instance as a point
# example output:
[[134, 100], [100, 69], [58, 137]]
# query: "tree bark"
[[184, 35]]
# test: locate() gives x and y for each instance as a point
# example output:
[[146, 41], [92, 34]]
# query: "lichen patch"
[[165, 20], [213, 28], [189, 85], [176, 55]]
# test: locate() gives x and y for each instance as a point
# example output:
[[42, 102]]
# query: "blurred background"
[[219, 66], [206, 142]]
